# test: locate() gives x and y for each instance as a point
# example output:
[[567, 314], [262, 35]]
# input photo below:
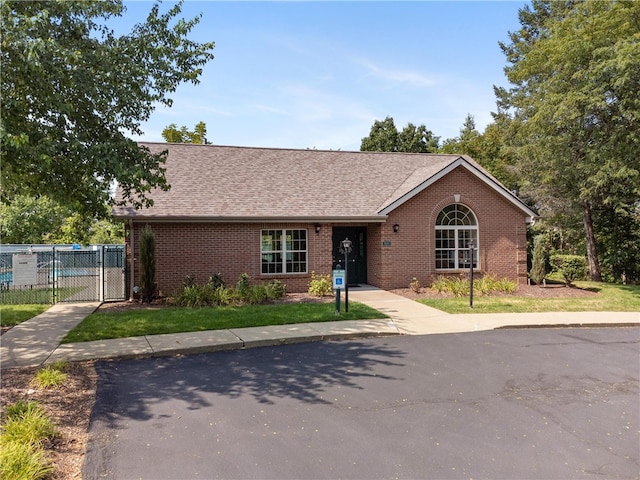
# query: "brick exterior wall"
[[203, 249], [411, 253], [393, 259]]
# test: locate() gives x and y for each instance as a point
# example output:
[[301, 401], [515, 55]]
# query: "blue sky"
[[318, 74]]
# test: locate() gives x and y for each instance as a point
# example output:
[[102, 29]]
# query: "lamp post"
[[471, 274], [346, 248]]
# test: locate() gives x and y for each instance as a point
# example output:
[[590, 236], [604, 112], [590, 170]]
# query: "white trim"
[[475, 227], [461, 162], [302, 220], [283, 251]]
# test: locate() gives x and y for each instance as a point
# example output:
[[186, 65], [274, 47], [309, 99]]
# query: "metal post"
[[337, 301], [101, 273], [346, 247], [346, 282], [52, 271], [471, 275]]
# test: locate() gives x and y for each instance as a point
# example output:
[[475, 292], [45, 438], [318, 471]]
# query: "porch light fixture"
[[317, 225], [396, 227]]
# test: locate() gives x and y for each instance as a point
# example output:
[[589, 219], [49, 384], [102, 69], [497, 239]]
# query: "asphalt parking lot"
[[538, 403]]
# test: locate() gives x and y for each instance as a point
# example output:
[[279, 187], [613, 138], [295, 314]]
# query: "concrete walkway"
[[32, 342], [37, 341]]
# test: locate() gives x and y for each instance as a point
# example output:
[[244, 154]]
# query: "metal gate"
[[62, 273]]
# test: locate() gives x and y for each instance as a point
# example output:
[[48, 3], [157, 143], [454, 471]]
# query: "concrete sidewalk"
[[32, 342], [414, 318], [37, 341]]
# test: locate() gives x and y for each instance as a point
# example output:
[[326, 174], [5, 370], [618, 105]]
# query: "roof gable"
[[221, 183], [418, 183]]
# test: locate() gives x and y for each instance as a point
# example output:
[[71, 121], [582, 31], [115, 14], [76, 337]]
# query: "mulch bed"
[[531, 291]]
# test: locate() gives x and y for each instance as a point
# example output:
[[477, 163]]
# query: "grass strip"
[[11, 315], [155, 321], [44, 296], [608, 298]]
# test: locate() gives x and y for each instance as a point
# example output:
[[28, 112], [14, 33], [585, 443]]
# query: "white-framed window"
[[283, 251], [456, 227]]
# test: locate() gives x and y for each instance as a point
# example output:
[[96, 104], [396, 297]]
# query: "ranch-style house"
[[283, 213]]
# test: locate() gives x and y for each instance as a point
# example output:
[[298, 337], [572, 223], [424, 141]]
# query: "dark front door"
[[357, 271]]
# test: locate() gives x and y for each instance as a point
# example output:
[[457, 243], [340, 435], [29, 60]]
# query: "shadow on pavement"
[[126, 388]]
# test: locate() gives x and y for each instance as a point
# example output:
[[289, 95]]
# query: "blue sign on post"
[[338, 279], [338, 284]]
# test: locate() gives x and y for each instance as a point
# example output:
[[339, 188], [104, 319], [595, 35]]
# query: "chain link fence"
[[62, 273]]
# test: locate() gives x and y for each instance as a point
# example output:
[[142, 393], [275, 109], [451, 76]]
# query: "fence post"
[[52, 272], [101, 276]]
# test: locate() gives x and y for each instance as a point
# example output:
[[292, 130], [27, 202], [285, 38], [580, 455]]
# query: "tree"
[[575, 73], [72, 91], [30, 220], [33, 220], [384, 137], [538, 271], [171, 134], [469, 141], [417, 140], [490, 148], [106, 231]]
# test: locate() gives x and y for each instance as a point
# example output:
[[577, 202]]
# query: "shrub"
[[19, 409], [505, 285], [571, 267], [415, 285], [216, 293], [257, 294], [27, 423], [25, 427], [320, 285], [193, 296], [20, 461], [455, 286], [276, 290], [216, 280], [148, 263], [486, 285], [483, 285], [222, 295], [539, 262], [243, 287], [51, 376]]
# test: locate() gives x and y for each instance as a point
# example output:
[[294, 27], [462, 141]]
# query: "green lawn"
[[609, 298], [19, 305], [22, 296], [14, 314], [98, 326]]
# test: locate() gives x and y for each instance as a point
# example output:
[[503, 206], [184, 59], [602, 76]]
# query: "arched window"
[[456, 227]]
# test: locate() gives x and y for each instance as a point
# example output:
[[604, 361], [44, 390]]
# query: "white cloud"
[[414, 79]]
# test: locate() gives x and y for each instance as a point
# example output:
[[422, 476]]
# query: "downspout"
[[132, 275]]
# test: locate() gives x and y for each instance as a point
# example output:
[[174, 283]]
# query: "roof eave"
[[380, 218]]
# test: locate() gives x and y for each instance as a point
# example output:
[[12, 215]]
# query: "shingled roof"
[[245, 184]]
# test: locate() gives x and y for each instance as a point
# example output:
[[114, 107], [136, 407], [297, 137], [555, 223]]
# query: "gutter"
[[251, 219]]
